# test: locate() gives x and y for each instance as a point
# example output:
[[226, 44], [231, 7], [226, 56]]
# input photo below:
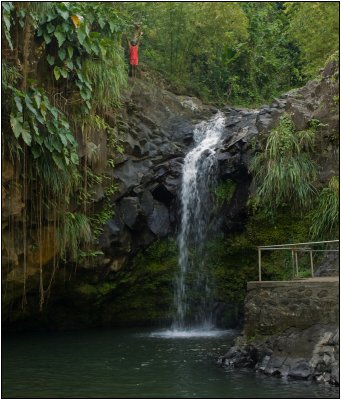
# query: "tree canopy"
[[242, 53]]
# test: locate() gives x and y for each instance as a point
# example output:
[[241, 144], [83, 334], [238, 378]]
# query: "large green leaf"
[[50, 28], [21, 128], [7, 21], [50, 59], [47, 38], [60, 36], [85, 94], [81, 35], [57, 145], [94, 48], [70, 138], [63, 138], [25, 133], [61, 54], [7, 6], [56, 72], [63, 13], [101, 22], [18, 103], [69, 64], [58, 161], [48, 144], [30, 105], [54, 112], [37, 98], [35, 128], [113, 27], [74, 158], [16, 124], [63, 72], [70, 51]]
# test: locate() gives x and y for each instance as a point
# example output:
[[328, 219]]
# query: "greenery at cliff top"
[[236, 52]]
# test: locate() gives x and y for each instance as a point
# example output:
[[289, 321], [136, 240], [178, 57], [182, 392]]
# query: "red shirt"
[[134, 55]]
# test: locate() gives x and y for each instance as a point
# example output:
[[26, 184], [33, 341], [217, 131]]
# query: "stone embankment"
[[291, 330]]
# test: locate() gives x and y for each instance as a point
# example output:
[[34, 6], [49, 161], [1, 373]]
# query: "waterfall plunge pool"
[[135, 363]]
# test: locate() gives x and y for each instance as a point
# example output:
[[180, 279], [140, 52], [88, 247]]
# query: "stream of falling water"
[[192, 298]]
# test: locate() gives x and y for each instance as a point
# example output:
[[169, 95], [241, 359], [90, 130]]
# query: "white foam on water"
[[191, 333]]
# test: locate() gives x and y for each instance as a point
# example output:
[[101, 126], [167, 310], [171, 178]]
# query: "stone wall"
[[291, 330], [273, 307]]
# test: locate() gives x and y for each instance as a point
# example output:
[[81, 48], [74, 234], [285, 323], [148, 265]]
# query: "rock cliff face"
[[156, 129], [157, 132]]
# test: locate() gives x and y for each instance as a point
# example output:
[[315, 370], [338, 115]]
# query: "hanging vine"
[[54, 56]]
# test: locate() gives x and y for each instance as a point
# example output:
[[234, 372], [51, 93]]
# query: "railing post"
[[296, 263], [259, 264], [311, 263], [293, 263]]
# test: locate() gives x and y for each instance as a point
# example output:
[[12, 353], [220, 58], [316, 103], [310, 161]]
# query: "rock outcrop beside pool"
[[291, 330]]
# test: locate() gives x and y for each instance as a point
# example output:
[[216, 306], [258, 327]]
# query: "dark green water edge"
[[134, 363]]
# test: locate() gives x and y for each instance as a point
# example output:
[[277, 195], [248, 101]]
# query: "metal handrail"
[[294, 250]]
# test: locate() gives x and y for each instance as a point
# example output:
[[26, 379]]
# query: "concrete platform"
[[325, 281]]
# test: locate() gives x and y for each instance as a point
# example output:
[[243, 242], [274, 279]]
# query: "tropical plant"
[[74, 231], [284, 172], [57, 52]]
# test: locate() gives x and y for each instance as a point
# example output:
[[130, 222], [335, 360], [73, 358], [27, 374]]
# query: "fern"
[[73, 231]]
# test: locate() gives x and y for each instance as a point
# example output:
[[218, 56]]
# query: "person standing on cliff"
[[134, 50]]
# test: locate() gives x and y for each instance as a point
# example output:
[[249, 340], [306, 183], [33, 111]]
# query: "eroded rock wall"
[[291, 330]]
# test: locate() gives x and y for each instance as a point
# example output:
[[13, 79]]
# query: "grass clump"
[[73, 231], [325, 217], [284, 172]]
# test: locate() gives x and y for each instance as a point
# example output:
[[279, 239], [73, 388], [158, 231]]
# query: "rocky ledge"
[[311, 354], [291, 330]]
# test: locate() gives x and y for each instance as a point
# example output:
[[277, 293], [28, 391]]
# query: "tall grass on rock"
[[326, 216], [284, 172]]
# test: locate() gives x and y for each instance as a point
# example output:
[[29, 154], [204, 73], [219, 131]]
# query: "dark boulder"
[[158, 221], [131, 212], [147, 202]]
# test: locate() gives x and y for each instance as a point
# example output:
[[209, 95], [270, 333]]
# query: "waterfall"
[[192, 287]]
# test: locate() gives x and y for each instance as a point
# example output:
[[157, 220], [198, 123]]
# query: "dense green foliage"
[[62, 72], [286, 179], [242, 53], [284, 172], [314, 26]]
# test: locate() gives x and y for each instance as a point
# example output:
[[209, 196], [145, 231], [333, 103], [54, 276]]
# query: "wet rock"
[[131, 212], [299, 369], [158, 221], [147, 202]]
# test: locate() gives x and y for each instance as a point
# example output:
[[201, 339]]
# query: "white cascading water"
[[198, 178]]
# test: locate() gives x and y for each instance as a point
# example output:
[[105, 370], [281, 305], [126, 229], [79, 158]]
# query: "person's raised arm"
[[139, 37]]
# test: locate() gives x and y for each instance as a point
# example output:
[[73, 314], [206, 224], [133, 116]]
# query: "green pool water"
[[136, 364]]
